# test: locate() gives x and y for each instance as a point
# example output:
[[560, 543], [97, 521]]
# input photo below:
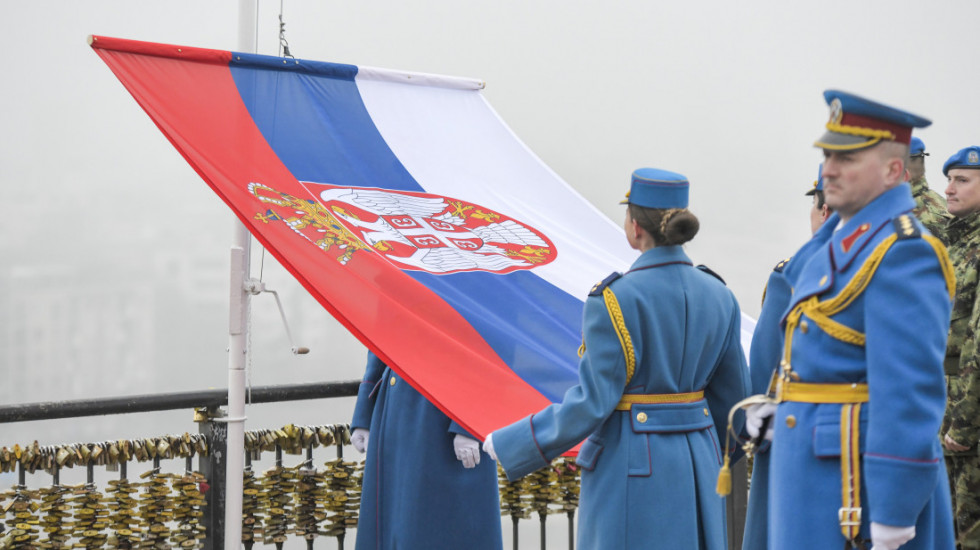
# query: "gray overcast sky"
[[728, 93]]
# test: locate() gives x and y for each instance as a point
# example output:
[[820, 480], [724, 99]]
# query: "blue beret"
[[818, 184], [917, 148], [857, 123], [968, 157], [655, 188]]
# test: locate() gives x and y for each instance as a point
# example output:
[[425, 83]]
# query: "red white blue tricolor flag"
[[403, 204]]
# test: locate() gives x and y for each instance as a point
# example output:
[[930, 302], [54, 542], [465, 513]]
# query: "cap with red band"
[[857, 123]]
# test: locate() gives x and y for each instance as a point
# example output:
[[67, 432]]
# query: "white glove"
[[886, 537], [755, 415], [359, 439], [467, 450], [488, 447]]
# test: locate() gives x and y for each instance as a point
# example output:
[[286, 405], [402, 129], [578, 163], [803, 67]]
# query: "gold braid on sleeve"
[[616, 315]]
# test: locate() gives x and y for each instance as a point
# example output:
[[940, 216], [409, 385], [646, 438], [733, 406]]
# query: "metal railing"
[[555, 493], [208, 445]]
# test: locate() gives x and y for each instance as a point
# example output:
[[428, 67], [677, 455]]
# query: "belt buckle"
[[780, 384], [849, 510], [857, 543]]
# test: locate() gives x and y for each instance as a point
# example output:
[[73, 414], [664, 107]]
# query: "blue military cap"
[[968, 157], [917, 148], [818, 184], [655, 188], [857, 123]]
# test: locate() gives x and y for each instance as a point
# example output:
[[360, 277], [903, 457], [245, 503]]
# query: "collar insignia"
[[848, 241]]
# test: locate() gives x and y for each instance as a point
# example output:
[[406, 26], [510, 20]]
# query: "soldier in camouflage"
[[962, 423], [930, 207]]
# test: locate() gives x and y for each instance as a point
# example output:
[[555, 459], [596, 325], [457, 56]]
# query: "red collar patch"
[[848, 241]]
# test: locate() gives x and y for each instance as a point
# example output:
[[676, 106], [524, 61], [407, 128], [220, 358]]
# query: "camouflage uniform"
[[930, 208], [963, 380]]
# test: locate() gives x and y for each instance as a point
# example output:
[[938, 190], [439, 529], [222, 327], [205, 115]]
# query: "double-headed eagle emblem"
[[416, 231]]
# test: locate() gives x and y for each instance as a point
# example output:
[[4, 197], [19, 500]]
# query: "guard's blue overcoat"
[[904, 314], [648, 483], [416, 495], [764, 357]]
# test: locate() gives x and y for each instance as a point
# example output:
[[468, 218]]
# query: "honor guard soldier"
[[661, 365], [424, 485], [764, 357], [819, 212], [961, 432], [930, 207], [860, 393]]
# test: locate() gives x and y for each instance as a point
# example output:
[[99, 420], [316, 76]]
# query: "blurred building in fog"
[[70, 332]]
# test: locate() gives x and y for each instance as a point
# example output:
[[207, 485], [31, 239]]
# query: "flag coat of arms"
[[403, 204]]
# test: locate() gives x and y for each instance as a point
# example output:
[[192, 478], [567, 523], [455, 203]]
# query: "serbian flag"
[[403, 204]]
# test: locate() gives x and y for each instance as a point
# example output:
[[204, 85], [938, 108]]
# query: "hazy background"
[[114, 254]]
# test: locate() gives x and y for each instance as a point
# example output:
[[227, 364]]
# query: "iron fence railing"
[[186, 509]]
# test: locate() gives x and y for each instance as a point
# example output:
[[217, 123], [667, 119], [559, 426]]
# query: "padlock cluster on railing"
[[549, 490], [164, 510], [294, 439], [299, 500], [50, 458]]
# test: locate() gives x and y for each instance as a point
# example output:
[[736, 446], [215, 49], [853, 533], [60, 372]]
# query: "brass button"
[[706, 413], [823, 280], [641, 418], [804, 327], [393, 380], [790, 421]]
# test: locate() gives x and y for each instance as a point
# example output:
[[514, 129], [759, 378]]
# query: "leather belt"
[[630, 399], [809, 392]]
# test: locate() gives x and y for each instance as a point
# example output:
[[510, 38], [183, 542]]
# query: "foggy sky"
[[727, 93]]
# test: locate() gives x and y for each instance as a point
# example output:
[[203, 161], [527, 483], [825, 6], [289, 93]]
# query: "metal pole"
[[514, 520], [237, 337], [234, 458], [571, 530], [544, 541], [340, 454]]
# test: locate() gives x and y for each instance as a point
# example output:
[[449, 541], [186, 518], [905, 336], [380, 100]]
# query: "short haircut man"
[[860, 393], [961, 426]]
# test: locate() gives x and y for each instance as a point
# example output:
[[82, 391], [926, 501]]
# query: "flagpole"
[[238, 332]]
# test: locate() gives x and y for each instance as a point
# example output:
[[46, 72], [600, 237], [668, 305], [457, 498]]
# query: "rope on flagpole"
[[283, 43]]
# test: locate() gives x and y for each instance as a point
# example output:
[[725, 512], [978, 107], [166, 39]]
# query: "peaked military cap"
[[818, 184], [917, 148], [857, 123], [656, 188], [968, 157]]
